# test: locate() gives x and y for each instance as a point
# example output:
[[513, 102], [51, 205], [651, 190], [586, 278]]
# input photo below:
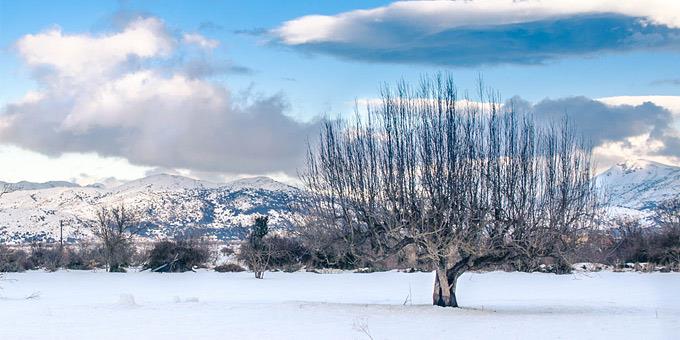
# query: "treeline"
[[635, 241], [627, 244], [178, 256], [114, 247]]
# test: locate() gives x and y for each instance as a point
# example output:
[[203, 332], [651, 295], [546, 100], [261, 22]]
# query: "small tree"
[[255, 251], [115, 228]]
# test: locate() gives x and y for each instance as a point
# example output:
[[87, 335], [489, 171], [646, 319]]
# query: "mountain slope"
[[639, 184], [24, 185], [169, 206], [174, 205]]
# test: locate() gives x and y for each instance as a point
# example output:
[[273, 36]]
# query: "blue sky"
[[288, 61]]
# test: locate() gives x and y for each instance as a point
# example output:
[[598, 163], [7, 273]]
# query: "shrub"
[[262, 251], [665, 246], [46, 257], [631, 242], [229, 268], [227, 251], [177, 256], [82, 258], [14, 260], [327, 248], [287, 254]]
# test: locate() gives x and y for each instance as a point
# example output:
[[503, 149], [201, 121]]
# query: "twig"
[[408, 297], [362, 327], [34, 295]]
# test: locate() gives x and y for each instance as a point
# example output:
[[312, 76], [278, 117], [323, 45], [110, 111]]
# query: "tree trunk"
[[444, 294]]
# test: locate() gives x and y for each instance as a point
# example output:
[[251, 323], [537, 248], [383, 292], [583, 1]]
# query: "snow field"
[[388, 305]]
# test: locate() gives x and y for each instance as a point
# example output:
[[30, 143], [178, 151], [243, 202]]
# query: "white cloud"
[[637, 147], [123, 102], [671, 103], [126, 95], [84, 56], [486, 32], [434, 16], [81, 168], [199, 40], [643, 146]]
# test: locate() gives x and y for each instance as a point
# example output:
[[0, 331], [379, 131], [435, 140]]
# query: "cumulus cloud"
[[199, 40], [671, 103], [486, 31], [606, 123], [84, 56], [113, 94], [619, 128]]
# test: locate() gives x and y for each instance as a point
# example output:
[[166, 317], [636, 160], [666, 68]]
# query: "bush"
[[82, 258], [639, 244], [50, 257], [46, 257], [287, 254], [327, 247], [177, 256], [631, 242], [665, 246], [14, 260], [273, 253], [227, 251], [229, 268], [76, 257]]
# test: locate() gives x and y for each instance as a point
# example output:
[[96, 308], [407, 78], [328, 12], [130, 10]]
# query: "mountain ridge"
[[173, 205], [639, 184], [169, 205], [162, 179]]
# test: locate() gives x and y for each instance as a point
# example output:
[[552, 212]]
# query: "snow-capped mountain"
[[23, 185], [174, 205], [170, 205], [637, 186]]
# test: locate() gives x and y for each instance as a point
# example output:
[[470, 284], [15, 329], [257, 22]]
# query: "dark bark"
[[444, 294]]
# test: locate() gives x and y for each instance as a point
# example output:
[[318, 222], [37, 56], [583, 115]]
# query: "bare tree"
[[115, 228], [469, 184]]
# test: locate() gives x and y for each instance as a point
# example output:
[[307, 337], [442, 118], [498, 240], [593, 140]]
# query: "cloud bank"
[[144, 94], [619, 128], [471, 33]]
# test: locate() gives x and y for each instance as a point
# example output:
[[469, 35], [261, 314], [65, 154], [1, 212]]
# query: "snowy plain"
[[388, 305]]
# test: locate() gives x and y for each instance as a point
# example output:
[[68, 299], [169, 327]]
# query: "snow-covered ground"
[[202, 305]]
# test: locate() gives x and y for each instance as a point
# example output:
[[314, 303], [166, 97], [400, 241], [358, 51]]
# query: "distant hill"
[[170, 205], [23, 185], [639, 184], [175, 205]]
